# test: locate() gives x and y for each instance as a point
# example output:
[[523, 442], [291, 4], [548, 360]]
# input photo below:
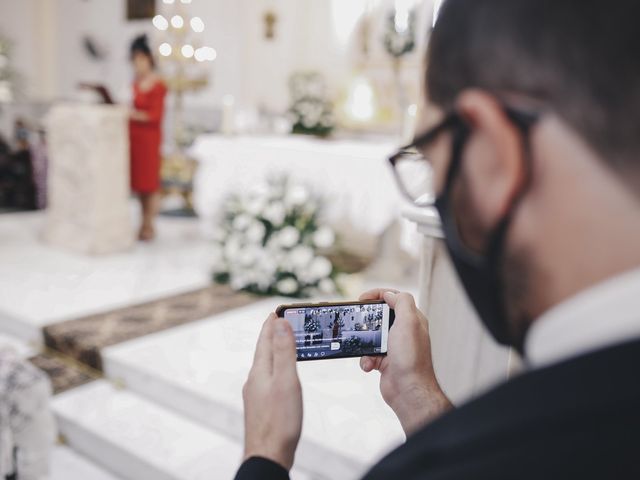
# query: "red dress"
[[145, 138]]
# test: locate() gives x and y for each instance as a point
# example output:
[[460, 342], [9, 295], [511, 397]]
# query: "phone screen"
[[343, 330]]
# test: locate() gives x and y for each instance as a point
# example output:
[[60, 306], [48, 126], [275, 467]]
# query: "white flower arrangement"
[[399, 42], [269, 241], [310, 110]]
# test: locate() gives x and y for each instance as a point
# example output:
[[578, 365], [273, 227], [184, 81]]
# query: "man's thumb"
[[284, 348], [391, 298]]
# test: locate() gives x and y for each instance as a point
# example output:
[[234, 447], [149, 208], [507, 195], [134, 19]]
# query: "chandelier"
[[182, 53]]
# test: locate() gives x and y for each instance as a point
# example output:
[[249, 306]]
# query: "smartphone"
[[339, 330]]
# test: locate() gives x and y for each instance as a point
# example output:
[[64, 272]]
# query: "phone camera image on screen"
[[334, 331]]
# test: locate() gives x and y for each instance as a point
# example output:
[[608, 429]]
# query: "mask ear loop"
[[450, 227], [495, 251], [460, 135]]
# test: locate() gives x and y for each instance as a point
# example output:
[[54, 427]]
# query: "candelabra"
[[185, 63]]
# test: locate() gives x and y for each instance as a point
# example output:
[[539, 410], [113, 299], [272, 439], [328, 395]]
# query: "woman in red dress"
[[145, 134]]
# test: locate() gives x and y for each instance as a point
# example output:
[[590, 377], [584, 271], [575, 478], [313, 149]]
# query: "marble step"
[[67, 464], [136, 439], [199, 369], [41, 285]]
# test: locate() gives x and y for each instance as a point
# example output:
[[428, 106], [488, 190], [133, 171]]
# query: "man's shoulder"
[[579, 417], [593, 381]]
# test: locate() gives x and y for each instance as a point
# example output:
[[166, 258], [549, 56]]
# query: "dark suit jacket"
[[576, 419]]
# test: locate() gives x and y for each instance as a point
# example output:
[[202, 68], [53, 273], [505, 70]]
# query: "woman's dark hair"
[[140, 44]]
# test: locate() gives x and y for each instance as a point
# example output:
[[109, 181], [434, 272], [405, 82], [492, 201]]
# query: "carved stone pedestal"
[[88, 178]]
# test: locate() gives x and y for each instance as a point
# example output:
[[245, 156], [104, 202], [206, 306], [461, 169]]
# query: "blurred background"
[[273, 185]]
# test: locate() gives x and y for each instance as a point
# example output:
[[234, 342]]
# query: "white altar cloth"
[[353, 176]]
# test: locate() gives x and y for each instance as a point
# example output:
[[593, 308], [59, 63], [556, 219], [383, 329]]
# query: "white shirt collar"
[[601, 316]]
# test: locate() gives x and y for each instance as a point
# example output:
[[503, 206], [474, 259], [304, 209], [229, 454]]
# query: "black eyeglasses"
[[414, 173]]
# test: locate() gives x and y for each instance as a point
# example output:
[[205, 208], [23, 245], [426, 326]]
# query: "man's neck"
[[591, 235]]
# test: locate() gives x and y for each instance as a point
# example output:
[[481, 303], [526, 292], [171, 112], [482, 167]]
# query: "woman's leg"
[[150, 203]]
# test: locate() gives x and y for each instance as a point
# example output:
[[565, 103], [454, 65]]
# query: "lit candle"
[[227, 124], [409, 125]]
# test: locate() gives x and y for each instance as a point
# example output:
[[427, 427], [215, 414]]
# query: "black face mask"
[[480, 274]]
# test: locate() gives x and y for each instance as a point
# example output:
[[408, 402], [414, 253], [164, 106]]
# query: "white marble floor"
[[40, 284]]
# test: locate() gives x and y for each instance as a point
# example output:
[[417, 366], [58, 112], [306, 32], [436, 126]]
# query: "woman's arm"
[[155, 111]]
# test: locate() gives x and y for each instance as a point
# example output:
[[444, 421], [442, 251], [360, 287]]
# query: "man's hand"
[[407, 380], [273, 397]]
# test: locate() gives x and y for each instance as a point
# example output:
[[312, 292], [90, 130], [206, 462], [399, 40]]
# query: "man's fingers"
[[284, 348], [368, 364], [376, 294], [263, 357], [400, 302], [365, 365]]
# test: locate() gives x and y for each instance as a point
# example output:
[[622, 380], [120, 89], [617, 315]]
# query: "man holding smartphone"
[[531, 130]]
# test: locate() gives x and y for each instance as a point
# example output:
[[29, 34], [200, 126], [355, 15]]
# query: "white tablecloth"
[[352, 175]]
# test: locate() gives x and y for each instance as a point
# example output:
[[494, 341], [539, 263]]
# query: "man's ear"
[[493, 163]]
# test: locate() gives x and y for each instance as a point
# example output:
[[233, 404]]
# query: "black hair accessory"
[[141, 44]]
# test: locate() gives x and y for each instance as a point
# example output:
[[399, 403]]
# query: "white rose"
[[274, 250], [300, 257], [305, 108], [323, 237], [320, 267], [288, 237], [309, 122], [275, 214], [259, 190], [287, 286], [316, 112], [326, 121], [327, 285], [238, 282], [297, 195], [216, 255], [241, 222], [255, 232], [248, 256], [264, 270], [232, 247], [255, 205], [264, 281], [266, 265], [310, 207]]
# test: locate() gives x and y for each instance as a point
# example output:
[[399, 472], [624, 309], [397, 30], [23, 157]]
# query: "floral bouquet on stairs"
[[269, 241]]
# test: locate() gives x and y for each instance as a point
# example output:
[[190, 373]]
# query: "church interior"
[[170, 172]]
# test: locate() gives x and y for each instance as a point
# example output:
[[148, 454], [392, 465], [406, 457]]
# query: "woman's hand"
[[273, 396], [408, 382], [138, 116]]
